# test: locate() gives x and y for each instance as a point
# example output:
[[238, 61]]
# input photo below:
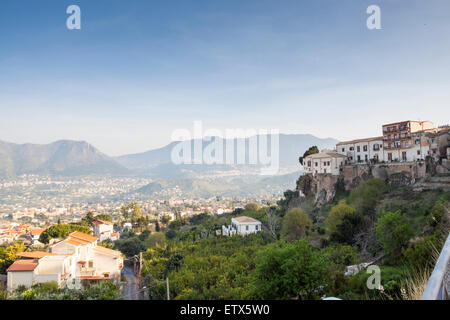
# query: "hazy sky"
[[137, 70]]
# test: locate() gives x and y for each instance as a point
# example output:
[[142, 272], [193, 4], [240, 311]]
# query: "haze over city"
[[137, 71]]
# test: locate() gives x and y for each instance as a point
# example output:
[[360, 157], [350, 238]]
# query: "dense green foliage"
[[62, 231], [296, 224], [103, 290], [311, 150], [337, 214], [8, 255], [290, 270], [394, 232]]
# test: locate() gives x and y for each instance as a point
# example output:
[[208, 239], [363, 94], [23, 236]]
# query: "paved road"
[[131, 287]]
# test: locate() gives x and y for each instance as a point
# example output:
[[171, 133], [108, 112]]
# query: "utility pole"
[[167, 286], [140, 263]]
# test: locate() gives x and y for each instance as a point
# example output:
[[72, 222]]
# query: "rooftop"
[[23, 265], [77, 235], [360, 140], [35, 254], [245, 219], [104, 250]]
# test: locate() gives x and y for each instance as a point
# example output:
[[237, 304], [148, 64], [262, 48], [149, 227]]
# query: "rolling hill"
[[64, 157]]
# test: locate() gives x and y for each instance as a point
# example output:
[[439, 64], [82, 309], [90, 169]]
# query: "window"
[[376, 147], [404, 155], [246, 228], [366, 157], [417, 141], [418, 152], [309, 163], [91, 264], [364, 148], [359, 158], [316, 164], [343, 149], [256, 228], [390, 156], [352, 148], [358, 149]]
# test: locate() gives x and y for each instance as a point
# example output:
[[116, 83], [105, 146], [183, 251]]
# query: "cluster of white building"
[[405, 141], [67, 263]]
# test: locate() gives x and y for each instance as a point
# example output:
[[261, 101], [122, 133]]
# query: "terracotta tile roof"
[[325, 155], [104, 250], [23, 265], [245, 219], [360, 140], [105, 222], [36, 232], [82, 236], [75, 242], [35, 254]]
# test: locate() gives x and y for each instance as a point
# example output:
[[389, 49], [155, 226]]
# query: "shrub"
[[288, 270], [296, 224], [394, 232], [336, 215]]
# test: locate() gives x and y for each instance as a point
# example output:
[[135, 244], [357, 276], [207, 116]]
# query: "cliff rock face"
[[322, 187]]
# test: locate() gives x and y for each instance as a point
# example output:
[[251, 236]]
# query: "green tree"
[[251, 207], [394, 232], [88, 219], [131, 212], [156, 238], [296, 224], [130, 246], [336, 215], [350, 226], [310, 151], [290, 270], [8, 255], [365, 197], [62, 231], [104, 217]]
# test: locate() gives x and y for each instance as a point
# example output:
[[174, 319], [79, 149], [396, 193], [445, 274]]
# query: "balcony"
[[438, 287]]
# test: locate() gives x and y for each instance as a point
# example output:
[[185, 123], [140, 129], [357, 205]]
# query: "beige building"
[[404, 141], [362, 150], [324, 162]]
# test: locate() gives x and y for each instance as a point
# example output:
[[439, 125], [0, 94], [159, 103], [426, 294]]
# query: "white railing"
[[438, 285]]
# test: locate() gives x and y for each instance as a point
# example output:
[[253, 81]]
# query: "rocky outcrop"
[[322, 187]]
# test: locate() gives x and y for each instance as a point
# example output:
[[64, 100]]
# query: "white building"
[[325, 162], [103, 230], [242, 226], [38, 267], [404, 141], [362, 150], [76, 258]]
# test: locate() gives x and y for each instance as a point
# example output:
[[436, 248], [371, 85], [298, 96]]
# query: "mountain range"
[[64, 157], [76, 158], [158, 164]]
